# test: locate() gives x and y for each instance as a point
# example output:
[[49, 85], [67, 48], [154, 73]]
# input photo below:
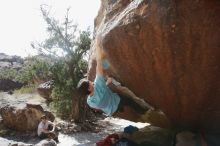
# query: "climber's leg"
[[128, 93], [129, 102]]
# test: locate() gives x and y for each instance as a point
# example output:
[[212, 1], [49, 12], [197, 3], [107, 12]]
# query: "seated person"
[[44, 129], [101, 97]]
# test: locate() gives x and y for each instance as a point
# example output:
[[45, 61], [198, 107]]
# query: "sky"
[[21, 21]]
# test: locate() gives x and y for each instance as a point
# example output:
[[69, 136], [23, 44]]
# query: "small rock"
[[45, 90], [15, 144], [46, 142]]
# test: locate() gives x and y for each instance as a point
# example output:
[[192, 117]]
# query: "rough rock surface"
[[6, 142], [23, 118], [153, 136], [167, 52]]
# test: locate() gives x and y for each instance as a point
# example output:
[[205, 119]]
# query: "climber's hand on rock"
[[152, 108], [51, 131], [109, 81]]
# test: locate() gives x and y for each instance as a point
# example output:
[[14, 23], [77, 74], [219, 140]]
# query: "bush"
[[35, 70], [8, 73]]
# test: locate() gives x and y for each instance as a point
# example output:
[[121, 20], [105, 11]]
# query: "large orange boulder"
[[167, 52]]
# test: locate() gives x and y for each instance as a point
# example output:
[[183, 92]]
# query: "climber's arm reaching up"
[[99, 54]]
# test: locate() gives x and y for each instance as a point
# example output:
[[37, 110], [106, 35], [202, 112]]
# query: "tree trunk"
[[80, 110]]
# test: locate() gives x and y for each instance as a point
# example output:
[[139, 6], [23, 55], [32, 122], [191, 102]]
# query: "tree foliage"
[[8, 73], [68, 45]]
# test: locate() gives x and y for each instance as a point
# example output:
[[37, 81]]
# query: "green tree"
[[73, 45]]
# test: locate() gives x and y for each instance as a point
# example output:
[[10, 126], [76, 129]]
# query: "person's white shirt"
[[43, 126]]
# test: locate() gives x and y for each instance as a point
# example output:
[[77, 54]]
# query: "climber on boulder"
[[101, 97]]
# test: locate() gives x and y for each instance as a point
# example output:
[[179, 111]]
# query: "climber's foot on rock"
[[146, 106]]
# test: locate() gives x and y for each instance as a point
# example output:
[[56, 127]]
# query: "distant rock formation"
[[167, 52], [10, 62], [7, 61]]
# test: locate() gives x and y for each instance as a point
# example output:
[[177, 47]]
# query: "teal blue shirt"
[[103, 98]]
